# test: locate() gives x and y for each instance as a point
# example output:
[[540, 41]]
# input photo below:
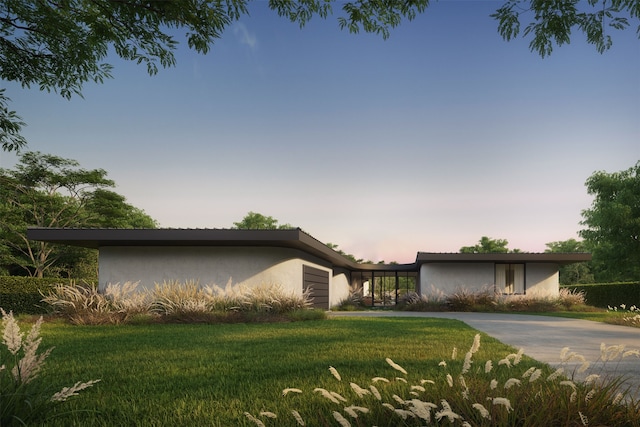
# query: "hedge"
[[22, 294], [610, 294]]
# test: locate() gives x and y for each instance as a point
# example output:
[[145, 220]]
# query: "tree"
[[50, 191], [613, 224], [350, 257], [487, 245], [579, 272], [553, 21], [61, 45], [257, 221]]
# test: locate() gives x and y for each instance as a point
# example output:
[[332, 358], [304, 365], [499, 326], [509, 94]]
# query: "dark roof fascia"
[[553, 258], [387, 267], [95, 238]]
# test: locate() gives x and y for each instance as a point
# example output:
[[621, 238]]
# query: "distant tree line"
[[49, 191]]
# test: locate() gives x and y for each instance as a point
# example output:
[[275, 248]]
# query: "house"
[[296, 261]]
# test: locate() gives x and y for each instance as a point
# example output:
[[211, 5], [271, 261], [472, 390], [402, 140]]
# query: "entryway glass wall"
[[383, 288]]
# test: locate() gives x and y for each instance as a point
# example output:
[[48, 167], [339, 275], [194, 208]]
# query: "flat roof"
[[294, 238], [95, 238], [511, 257]]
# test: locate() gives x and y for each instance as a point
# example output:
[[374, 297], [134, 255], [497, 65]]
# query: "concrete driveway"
[[543, 337]]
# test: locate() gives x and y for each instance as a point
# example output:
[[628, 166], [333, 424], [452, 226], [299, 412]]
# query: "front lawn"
[[235, 374]]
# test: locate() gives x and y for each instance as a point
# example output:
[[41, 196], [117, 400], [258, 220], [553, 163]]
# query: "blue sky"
[[423, 142]]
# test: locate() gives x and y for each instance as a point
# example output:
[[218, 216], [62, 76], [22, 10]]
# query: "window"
[[510, 278]]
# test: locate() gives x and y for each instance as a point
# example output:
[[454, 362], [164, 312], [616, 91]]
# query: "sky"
[[426, 141]]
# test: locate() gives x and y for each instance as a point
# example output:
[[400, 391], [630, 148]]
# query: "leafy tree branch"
[[58, 46]]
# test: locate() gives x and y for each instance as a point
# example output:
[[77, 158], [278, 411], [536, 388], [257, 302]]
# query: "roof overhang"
[[96, 238], [511, 258]]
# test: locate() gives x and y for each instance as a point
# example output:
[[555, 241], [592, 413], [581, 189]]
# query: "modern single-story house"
[[296, 261]]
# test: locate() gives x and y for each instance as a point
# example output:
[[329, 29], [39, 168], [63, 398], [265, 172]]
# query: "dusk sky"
[[423, 142]]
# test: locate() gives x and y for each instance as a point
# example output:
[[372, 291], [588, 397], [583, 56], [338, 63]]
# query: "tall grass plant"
[[177, 302], [24, 396]]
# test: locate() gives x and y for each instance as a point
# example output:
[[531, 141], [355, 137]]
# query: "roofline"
[[95, 238], [517, 257], [294, 238]]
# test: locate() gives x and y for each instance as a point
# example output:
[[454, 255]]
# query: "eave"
[[95, 238], [511, 258]]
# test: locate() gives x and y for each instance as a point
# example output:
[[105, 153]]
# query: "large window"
[[383, 288], [510, 278]]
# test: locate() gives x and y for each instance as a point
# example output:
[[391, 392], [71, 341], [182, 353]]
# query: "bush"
[[604, 295], [23, 295]]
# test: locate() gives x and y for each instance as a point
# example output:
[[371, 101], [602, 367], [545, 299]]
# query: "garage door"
[[317, 282]]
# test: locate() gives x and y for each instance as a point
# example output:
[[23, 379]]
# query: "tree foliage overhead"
[[613, 224], [61, 45], [487, 245], [551, 22], [49, 191]]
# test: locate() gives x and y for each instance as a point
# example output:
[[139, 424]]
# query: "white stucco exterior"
[[338, 288], [280, 257], [540, 278], [250, 266], [451, 277]]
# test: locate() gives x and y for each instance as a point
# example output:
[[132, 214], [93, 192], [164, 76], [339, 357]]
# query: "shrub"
[[24, 399], [610, 294], [23, 294]]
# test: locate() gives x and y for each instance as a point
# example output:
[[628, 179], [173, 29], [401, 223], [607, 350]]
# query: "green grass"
[[212, 374], [612, 317], [189, 375]]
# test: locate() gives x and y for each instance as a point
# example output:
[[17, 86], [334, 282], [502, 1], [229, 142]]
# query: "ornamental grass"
[[25, 397], [178, 302], [504, 392], [487, 300], [625, 316]]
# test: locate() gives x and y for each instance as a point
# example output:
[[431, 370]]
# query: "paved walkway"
[[543, 337]]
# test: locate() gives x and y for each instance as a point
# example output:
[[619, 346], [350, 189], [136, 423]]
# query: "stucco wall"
[[542, 279], [338, 288], [206, 265], [451, 277]]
